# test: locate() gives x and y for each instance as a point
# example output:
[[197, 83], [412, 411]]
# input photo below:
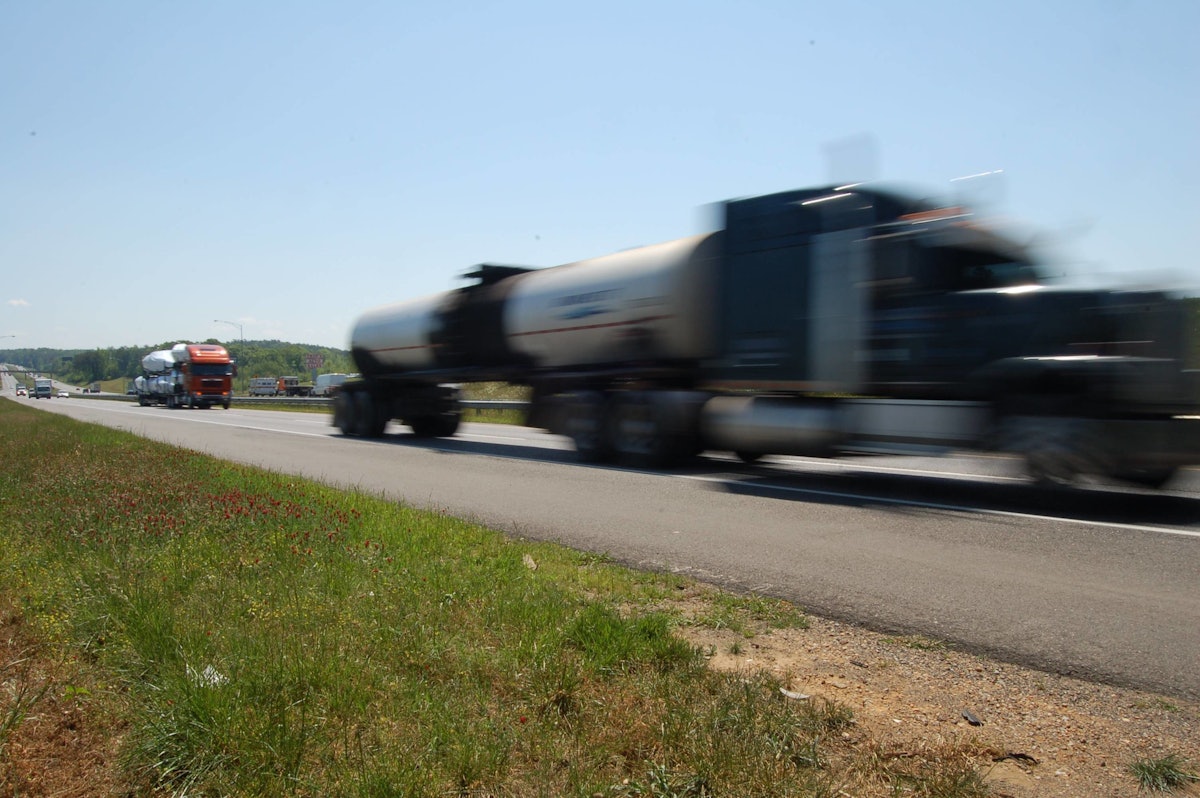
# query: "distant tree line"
[[254, 359]]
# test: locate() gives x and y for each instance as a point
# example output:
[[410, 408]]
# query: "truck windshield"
[[958, 269], [212, 369], [909, 265]]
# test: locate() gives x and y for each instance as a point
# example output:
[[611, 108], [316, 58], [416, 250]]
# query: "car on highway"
[[21, 391], [63, 394]]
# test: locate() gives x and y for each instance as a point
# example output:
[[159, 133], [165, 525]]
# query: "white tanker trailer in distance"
[[818, 322]]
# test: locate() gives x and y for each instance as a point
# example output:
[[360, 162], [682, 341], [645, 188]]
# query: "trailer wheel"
[[440, 426], [589, 425], [642, 433], [369, 418], [343, 412], [421, 426]]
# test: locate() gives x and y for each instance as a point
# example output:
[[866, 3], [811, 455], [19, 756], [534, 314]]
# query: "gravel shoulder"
[[1033, 733]]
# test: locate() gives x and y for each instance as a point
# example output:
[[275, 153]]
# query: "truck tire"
[[1148, 477], [440, 426], [642, 432], [343, 412], [1056, 450], [589, 426], [369, 418]]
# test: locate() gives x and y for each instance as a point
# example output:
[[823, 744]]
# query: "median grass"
[[240, 632]]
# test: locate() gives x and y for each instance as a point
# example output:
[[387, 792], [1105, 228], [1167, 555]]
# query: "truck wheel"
[[379, 419], [1148, 477], [641, 434], [588, 424], [343, 412], [369, 416], [364, 408], [440, 426], [1056, 450], [448, 425]]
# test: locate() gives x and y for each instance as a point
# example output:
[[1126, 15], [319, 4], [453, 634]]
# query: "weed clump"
[[1163, 774]]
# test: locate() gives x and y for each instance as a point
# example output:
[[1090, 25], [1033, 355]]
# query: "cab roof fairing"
[[960, 231]]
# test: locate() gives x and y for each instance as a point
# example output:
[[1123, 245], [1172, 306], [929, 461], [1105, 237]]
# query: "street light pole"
[[241, 337], [241, 333]]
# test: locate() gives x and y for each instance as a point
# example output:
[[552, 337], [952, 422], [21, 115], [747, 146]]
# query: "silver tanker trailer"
[[819, 321]]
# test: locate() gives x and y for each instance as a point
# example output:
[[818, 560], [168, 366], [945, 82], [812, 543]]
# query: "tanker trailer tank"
[[650, 304], [398, 337], [639, 315]]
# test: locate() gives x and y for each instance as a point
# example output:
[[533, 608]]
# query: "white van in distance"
[[328, 384]]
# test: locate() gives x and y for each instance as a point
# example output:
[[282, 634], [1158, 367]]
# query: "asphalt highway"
[[1097, 582]]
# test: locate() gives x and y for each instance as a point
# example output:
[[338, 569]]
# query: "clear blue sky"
[[285, 165]]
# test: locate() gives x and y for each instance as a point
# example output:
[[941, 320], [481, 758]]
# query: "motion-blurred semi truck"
[[822, 321]]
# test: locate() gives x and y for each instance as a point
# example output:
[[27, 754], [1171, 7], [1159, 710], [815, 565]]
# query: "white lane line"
[[949, 507], [183, 416]]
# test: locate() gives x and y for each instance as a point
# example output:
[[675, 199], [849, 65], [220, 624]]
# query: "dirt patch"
[[1034, 734], [61, 746]]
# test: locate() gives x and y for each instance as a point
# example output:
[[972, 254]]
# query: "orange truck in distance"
[[187, 375]]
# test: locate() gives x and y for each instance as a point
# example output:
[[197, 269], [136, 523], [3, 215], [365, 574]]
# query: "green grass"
[[744, 615], [252, 633], [1164, 774]]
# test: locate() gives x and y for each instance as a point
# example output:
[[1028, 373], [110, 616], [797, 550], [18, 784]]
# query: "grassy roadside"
[[238, 632]]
